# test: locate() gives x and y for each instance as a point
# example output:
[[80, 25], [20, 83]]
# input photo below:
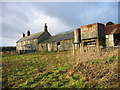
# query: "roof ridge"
[[113, 25], [56, 38], [32, 36], [63, 33]]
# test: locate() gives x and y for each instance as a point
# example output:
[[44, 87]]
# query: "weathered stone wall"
[[92, 31], [34, 43], [46, 46], [64, 45], [110, 40], [50, 46], [107, 40], [55, 47], [19, 45], [93, 35], [43, 47], [89, 31]]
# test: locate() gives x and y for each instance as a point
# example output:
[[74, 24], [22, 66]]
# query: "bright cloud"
[[54, 24]]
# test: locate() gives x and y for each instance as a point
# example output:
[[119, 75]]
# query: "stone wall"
[[93, 35], [43, 47], [110, 40], [66, 45], [21, 45], [89, 31], [57, 46]]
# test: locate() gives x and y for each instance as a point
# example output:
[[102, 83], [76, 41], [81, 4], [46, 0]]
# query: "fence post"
[[73, 49]]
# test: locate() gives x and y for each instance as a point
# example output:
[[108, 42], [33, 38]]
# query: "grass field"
[[96, 69]]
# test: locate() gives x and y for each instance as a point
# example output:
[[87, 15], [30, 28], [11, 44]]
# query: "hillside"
[[87, 69]]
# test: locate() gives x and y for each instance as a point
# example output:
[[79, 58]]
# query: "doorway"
[[58, 45], [116, 39]]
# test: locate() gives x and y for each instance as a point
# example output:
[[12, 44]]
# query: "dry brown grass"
[[97, 66], [93, 54]]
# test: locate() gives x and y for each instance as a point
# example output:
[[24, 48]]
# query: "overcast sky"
[[19, 17]]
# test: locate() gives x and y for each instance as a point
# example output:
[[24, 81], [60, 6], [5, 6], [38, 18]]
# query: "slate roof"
[[110, 29], [31, 37], [59, 37]]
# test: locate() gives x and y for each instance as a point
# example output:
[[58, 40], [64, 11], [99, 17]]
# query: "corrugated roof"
[[32, 36], [110, 29], [57, 38]]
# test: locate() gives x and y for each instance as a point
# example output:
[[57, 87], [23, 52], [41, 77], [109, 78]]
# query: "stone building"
[[92, 35], [97, 35], [112, 35], [31, 42], [58, 42]]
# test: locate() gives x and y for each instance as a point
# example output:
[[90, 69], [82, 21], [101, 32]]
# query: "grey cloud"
[[74, 13], [10, 32]]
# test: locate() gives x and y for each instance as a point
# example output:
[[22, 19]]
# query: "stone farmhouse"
[[31, 42], [92, 35]]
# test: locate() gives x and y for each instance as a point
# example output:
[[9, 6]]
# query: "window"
[[42, 46]]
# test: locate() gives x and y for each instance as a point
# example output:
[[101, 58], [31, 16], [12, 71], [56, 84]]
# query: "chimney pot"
[[23, 35], [45, 27], [28, 33]]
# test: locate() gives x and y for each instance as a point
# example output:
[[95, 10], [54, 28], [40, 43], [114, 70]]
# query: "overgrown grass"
[[54, 70]]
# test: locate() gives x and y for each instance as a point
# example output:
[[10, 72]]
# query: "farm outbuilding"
[[112, 35], [58, 42], [93, 35]]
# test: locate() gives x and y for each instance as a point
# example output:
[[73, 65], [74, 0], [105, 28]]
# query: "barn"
[[59, 42], [112, 35]]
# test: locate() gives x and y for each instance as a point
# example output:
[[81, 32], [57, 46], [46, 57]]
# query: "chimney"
[[23, 35], [28, 33], [45, 27]]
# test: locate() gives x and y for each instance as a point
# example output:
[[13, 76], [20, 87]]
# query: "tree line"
[[8, 48]]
